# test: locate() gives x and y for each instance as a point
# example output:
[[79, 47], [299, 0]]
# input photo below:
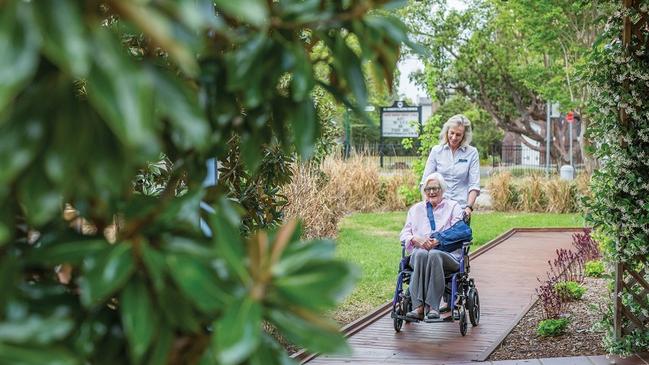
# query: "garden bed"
[[583, 336]]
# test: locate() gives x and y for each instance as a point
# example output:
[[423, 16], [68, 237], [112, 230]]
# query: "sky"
[[406, 87], [411, 64]]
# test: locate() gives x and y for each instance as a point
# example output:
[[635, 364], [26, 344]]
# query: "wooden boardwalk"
[[506, 278]]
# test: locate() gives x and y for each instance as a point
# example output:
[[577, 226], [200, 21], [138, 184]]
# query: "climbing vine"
[[619, 207]]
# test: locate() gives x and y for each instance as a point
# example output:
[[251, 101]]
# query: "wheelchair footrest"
[[438, 320]]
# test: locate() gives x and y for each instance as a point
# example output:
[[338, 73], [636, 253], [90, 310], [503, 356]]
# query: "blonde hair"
[[456, 121]]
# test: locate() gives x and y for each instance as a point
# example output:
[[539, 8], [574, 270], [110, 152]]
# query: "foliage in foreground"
[[92, 90], [618, 208]]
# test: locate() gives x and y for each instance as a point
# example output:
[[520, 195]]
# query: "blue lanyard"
[[431, 217]]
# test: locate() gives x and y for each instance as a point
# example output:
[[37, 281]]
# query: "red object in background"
[[570, 117]]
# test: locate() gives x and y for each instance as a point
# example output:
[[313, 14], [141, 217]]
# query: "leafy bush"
[[594, 269], [393, 196], [410, 194], [90, 92], [618, 206], [552, 327], [569, 290]]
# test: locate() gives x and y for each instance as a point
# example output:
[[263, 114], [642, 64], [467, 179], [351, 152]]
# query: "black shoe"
[[445, 309], [432, 314], [415, 315]]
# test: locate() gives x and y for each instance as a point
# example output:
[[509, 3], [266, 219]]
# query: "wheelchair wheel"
[[398, 323], [463, 323], [473, 305]]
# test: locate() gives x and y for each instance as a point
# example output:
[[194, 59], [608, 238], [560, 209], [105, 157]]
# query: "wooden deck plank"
[[506, 278]]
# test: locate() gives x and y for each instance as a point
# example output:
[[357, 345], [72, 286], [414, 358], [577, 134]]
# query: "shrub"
[[553, 305], [569, 290], [532, 195], [503, 193], [410, 194], [594, 269], [568, 266], [552, 327], [586, 246], [395, 192]]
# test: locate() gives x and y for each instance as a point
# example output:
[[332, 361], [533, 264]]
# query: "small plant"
[[586, 246], [552, 327], [552, 303], [594, 269], [569, 290], [568, 266]]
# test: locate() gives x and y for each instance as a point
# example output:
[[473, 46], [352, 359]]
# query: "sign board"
[[400, 120], [554, 110]]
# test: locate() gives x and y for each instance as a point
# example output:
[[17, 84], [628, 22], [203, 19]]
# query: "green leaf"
[[35, 329], [30, 355], [313, 333], [177, 102], [225, 223], [197, 282], [302, 78], [65, 41], [138, 318], [269, 352], [19, 42], [39, 198], [347, 64], [253, 11], [161, 346], [299, 255], [123, 96], [238, 331], [305, 128], [177, 310], [318, 285], [19, 143], [66, 252], [105, 272], [154, 262]]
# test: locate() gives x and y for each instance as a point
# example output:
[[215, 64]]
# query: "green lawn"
[[371, 241]]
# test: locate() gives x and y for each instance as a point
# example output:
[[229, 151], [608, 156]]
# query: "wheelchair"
[[460, 294]]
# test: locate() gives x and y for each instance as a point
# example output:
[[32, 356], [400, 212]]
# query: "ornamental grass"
[[560, 196], [503, 193], [532, 197]]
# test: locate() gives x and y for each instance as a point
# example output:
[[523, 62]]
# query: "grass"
[[371, 241]]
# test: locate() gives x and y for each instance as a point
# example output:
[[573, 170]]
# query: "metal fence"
[[391, 156], [522, 160]]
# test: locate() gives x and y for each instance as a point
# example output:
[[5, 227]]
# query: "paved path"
[[505, 276]]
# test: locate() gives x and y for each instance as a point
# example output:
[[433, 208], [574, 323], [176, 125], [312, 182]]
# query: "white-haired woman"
[[457, 161], [430, 258]]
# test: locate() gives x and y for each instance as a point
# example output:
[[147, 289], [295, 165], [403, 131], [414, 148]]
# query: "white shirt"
[[461, 172]]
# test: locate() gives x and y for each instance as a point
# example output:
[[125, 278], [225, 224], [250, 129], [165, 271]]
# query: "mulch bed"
[[582, 338]]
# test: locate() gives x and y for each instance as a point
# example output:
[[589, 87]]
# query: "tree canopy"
[[505, 58]]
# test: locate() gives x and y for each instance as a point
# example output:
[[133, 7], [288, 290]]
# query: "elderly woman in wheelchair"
[[438, 239]]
